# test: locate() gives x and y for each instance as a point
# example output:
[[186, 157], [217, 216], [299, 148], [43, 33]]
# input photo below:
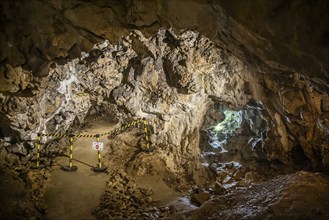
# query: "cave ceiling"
[[285, 35]]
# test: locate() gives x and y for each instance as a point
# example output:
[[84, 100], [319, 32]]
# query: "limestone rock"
[[219, 188], [3, 154], [12, 159], [17, 149], [292, 100], [200, 198], [123, 199], [304, 192], [173, 85]]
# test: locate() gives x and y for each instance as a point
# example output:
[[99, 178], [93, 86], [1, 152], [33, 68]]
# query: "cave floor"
[[73, 195], [76, 195], [301, 195], [136, 187]]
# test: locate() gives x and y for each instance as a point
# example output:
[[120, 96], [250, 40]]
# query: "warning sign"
[[97, 146]]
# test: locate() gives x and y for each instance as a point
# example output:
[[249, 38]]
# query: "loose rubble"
[[22, 193], [301, 195], [123, 199]]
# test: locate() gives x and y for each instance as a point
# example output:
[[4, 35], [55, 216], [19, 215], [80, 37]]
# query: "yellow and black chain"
[[117, 130]]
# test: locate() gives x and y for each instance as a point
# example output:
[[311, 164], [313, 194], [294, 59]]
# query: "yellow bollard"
[[70, 167], [38, 165], [99, 168], [146, 135]]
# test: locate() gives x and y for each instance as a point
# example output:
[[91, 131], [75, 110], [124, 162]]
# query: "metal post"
[[100, 167], [70, 167], [147, 140], [38, 165], [71, 151], [146, 134], [99, 153]]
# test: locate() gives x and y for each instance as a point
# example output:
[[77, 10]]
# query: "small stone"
[[164, 209], [25, 159], [199, 199], [238, 175], [150, 209], [17, 149], [12, 159], [219, 189], [3, 154], [131, 184], [197, 190], [148, 199], [145, 214], [7, 139], [209, 189], [221, 174], [228, 180], [172, 209], [165, 117], [325, 105]]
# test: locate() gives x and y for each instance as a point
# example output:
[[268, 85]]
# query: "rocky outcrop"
[[22, 193], [135, 77], [283, 197], [172, 79], [116, 60]]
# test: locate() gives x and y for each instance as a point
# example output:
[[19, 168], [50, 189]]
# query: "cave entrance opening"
[[233, 136]]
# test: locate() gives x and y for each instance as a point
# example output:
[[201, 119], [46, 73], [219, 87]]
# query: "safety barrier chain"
[[123, 127], [100, 167]]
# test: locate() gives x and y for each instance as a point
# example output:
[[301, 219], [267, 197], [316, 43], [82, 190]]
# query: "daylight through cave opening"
[[232, 135]]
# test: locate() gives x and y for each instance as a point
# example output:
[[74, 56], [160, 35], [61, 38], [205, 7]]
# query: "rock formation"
[[211, 78], [172, 80]]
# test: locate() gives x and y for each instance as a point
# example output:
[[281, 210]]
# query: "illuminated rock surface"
[[232, 98]]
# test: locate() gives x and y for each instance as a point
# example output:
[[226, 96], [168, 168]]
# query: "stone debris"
[[200, 198], [22, 193], [123, 199], [301, 195]]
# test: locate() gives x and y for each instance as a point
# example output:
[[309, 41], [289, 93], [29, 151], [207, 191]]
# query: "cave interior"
[[164, 109]]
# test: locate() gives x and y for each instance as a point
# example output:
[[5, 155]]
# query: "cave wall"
[[166, 78], [167, 75]]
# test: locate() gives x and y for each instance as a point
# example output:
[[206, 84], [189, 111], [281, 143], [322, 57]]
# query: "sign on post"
[[97, 146]]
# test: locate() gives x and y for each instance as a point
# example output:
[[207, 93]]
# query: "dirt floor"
[[138, 186], [75, 195]]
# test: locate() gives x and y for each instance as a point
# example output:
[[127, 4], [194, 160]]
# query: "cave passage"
[[234, 109]]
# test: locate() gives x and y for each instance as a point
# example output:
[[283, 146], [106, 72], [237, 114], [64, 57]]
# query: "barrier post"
[[70, 167], [146, 136], [99, 168], [38, 165]]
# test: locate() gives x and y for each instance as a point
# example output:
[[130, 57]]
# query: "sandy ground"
[[74, 195]]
